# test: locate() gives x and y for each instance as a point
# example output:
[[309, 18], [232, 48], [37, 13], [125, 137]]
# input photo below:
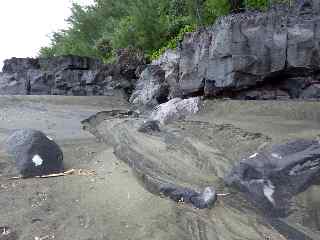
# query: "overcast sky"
[[26, 24]]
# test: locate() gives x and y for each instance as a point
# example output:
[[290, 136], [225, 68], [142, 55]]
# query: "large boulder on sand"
[[35, 153], [271, 177]]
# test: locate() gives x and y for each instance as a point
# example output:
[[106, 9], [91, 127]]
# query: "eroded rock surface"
[[272, 177], [150, 88], [70, 75], [189, 155], [249, 52], [175, 109]]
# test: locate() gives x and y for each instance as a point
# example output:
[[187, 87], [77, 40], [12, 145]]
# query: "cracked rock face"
[[272, 177], [69, 75], [150, 89], [35, 153], [248, 50], [175, 109]]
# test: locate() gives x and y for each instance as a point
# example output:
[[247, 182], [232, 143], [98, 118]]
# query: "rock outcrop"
[[270, 178], [70, 75], [175, 109], [251, 55], [181, 160], [272, 55], [150, 89]]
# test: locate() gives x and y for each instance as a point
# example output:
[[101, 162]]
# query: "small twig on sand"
[[75, 172], [223, 194]]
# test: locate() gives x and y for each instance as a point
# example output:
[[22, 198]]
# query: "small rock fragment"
[[201, 200], [149, 126]]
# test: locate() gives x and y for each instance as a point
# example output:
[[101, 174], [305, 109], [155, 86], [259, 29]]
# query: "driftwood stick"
[[75, 172], [223, 194]]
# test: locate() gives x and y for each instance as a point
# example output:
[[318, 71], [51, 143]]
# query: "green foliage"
[[173, 43], [148, 25], [257, 4], [214, 9]]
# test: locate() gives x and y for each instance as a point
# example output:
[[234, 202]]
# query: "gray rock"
[[175, 109], [263, 94], [149, 127], [66, 75], [39, 82], [69, 62], [247, 50], [295, 85], [151, 88], [312, 92], [201, 200], [270, 178], [14, 84], [169, 62], [14, 65], [69, 82], [35, 153]]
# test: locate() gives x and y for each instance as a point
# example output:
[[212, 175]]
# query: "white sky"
[[26, 24]]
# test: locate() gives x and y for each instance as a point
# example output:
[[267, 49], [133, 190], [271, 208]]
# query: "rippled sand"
[[115, 204]]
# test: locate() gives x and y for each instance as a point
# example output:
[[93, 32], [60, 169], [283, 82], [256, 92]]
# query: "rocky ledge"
[[251, 55], [70, 75]]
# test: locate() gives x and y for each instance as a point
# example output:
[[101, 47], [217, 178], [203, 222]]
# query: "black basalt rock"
[[270, 178], [35, 153], [201, 200], [149, 127]]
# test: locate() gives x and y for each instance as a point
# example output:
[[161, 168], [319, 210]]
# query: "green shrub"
[[215, 9], [173, 43]]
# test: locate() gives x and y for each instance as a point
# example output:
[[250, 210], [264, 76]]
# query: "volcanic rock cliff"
[[70, 75], [250, 55]]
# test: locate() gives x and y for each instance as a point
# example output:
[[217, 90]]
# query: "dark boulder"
[[149, 127], [312, 92], [35, 153], [270, 178], [201, 200]]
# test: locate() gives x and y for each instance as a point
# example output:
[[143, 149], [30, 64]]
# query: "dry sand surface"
[[112, 204]]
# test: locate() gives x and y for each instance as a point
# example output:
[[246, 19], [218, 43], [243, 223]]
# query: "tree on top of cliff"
[[100, 29]]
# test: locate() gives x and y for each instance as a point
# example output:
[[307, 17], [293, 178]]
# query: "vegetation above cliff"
[[149, 25]]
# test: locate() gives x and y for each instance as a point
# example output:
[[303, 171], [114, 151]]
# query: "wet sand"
[[110, 205]]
